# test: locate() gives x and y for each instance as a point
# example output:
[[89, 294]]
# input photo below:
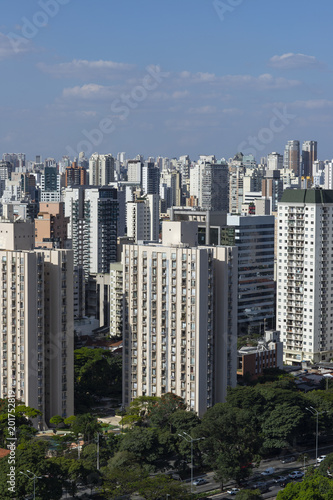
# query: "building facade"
[[215, 187], [101, 169], [36, 323], [291, 158], [304, 277], [254, 237], [143, 218], [180, 316]]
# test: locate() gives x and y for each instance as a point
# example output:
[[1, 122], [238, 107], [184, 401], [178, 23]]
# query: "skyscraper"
[[93, 214], [274, 161], [36, 323], [101, 170], [180, 318], [215, 187], [254, 237], [309, 155], [50, 182], [143, 218], [291, 159], [304, 277]]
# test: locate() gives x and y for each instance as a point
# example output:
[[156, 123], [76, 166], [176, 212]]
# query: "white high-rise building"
[[328, 174], [134, 171], [101, 170], [143, 218], [304, 276], [36, 322], [274, 161], [180, 318], [93, 216]]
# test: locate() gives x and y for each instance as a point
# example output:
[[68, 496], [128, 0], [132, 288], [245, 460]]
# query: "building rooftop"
[[307, 196]]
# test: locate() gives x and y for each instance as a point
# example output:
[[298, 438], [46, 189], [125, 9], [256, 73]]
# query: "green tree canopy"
[[283, 424], [231, 443], [315, 487], [98, 373]]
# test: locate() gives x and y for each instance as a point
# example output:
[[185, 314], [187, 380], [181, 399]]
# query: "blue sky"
[[165, 77]]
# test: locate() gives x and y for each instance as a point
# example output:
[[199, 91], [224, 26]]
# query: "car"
[[288, 460], [199, 481], [321, 458], [285, 482], [258, 485], [176, 477], [233, 491], [268, 471], [296, 474], [280, 479]]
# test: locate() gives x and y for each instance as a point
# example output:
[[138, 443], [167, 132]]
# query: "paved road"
[[284, 469]]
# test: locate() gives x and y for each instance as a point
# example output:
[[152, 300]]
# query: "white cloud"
[[89, 91], [313, 104], [261, 82], [180, 94], [11, 45], [294, 61], [80, 68], [203, 110]]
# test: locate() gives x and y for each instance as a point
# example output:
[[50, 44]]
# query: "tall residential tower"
[[304, 275]]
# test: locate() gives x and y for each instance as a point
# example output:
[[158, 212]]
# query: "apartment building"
[[180, 318], [36, 323], [305, 275]]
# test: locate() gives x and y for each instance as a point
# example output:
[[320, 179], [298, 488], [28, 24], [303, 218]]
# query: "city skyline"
[[219, 76]]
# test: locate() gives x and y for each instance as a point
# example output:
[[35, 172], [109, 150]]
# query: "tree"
[[248, 495], [160, 486], [30, 456], [231, 443], [326, 465], [97, 373], [139, 409], [23, 424], [281, 427], [121, 480], [57, 420], [144, 444], [314, 487], [86, 425], [164, 407]]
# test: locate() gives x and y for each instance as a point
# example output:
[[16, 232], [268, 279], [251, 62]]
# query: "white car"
[[268, 471], [199, 481], [321, 458], [296, 474], [233, 491]]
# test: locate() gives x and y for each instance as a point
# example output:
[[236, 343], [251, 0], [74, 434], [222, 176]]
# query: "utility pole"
[[317, 413], [97, 441], [34, 477], [189, 439]]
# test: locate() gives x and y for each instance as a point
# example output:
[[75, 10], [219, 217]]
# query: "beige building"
[[180, 318], [36, 323], [51, 225]]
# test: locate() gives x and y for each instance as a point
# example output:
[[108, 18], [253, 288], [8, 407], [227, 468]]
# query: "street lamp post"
[[34, 477], [190, 439], [317, 413]]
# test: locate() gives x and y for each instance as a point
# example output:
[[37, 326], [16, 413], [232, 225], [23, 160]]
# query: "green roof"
[[307, 196]]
